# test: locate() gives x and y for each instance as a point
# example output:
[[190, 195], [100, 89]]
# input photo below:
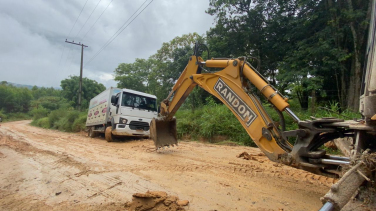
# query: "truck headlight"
[[123, 121]]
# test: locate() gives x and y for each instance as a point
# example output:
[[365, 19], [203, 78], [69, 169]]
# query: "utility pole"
[[82, 60]]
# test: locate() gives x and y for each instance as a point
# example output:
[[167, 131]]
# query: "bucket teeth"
[[166, 146], [163, 132]]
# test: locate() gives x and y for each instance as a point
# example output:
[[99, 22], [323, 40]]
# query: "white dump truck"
[[121, 112]]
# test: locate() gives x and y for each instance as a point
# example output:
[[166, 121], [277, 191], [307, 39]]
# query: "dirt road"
[[51, 170]]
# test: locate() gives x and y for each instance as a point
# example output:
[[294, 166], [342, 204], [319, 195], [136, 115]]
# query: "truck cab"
[[131, 113]]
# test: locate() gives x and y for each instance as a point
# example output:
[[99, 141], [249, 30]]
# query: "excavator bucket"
[[163, 132]]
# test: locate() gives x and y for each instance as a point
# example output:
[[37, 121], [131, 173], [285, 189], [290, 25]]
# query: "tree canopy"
[[302, 45], [157, 74], [14, 99], [90, 89]]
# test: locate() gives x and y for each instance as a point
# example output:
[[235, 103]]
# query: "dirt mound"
[[260, 164], [247, 156], [155, 201]]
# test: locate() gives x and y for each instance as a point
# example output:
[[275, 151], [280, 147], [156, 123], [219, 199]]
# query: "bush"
[[187, 123], [66, 120], [54, 117], [61, 124], [17, 116], [34, 122], [13, 116], [2, 115], [43, 122], [38, 113], [79, 124], [210, 121]]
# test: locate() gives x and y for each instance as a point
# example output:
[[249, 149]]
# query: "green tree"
[[251, 28], [302, 45], [170, 61], [324, 58], [23, 98], [43, 91], [14, 99], [134, 75], [50, 103], [7, 96], [159, 73], [90, 89]]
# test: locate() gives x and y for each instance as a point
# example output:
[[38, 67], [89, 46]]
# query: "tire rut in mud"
[[258, 167], [29, 150]]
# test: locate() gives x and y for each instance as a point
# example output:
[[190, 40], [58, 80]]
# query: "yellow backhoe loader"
[[233, 86]]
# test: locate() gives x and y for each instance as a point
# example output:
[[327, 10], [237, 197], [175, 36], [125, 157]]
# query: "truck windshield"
[[138, 101]]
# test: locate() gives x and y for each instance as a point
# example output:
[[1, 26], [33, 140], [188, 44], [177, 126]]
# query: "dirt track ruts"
[[47, 169]]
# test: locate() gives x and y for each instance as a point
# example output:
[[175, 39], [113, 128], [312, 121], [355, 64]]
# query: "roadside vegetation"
[[61, 113], [67, 120], [215, 123], [48, 107]]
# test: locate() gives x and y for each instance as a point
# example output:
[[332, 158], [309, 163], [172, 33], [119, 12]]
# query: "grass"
[[67, 120], [14, 116], [42, 122], [209, 121], [213, 120], [227, 143]]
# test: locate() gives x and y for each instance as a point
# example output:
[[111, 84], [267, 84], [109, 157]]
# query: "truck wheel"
[[108, 134], [92, 133]]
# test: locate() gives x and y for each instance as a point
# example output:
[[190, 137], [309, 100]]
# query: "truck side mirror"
[[113, 100]]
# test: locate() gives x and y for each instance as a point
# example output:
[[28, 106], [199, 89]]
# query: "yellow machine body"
[[227, 86]]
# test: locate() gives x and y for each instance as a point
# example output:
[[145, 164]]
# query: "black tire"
[[108, 134]]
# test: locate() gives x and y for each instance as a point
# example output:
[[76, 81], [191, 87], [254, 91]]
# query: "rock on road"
[[50, 170]]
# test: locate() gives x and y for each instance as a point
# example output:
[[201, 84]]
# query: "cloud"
[[106, 77], [33, 51]]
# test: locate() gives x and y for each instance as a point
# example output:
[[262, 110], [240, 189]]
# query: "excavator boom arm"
[[180, 91], [227, 85]]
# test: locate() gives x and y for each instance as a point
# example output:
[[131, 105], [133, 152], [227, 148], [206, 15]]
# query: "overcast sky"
[[32, 35]]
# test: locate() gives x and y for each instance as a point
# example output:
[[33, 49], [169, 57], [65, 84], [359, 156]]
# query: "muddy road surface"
[[51, 170]]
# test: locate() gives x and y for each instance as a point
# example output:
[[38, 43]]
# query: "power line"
[[111, 38], [68, 56], [97, 19], [120, 29], [77, 17], [88, 18], [62, 52], [72, 29]]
